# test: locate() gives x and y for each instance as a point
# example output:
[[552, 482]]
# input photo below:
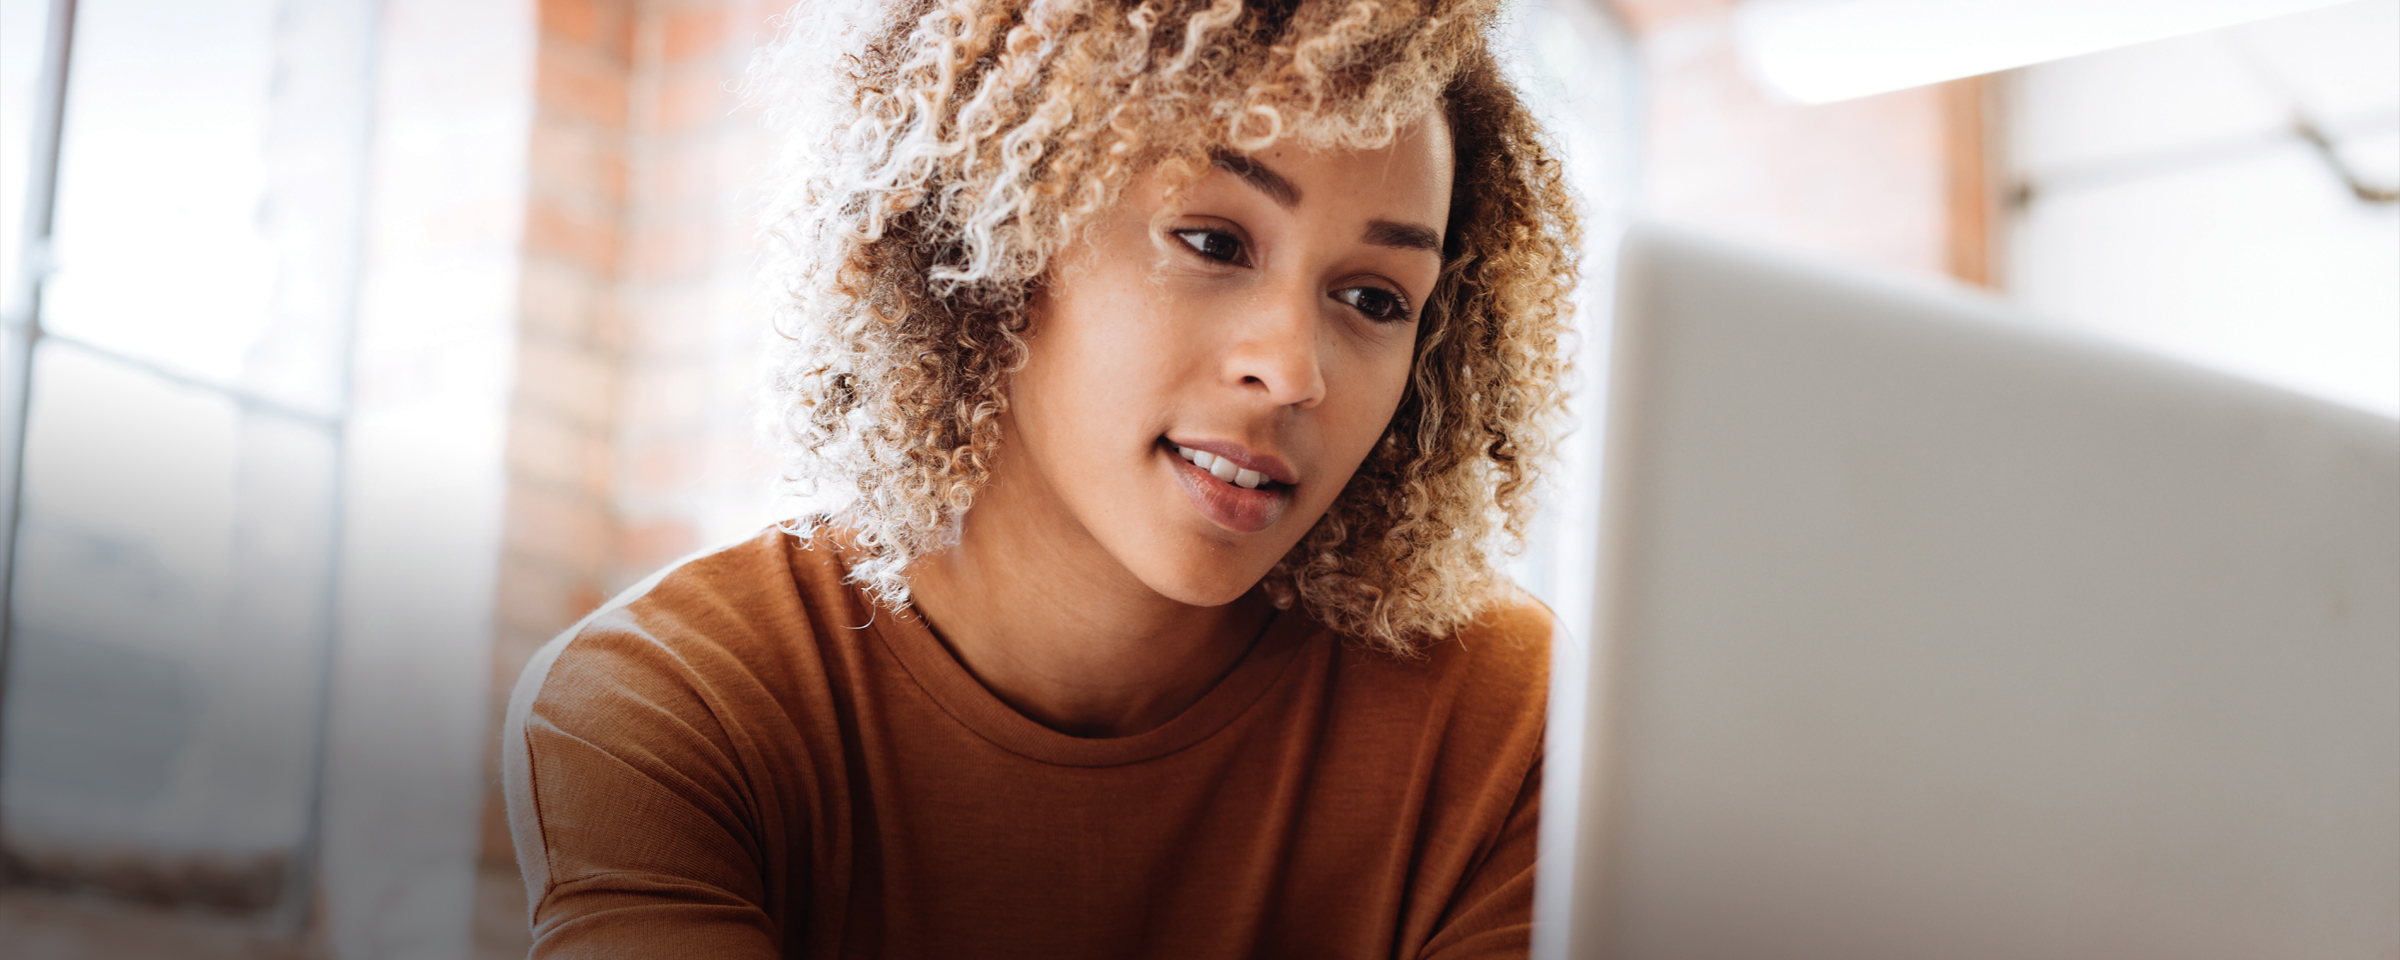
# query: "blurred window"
[[171, 576]]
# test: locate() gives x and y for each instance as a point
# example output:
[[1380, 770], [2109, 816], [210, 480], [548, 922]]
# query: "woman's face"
[[1200, 386]]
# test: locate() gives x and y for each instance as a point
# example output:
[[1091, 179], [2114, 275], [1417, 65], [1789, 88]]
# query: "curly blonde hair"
[[935, 169]]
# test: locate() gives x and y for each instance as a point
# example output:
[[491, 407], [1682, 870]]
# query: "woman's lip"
[[1238, 509], [1268, 464]]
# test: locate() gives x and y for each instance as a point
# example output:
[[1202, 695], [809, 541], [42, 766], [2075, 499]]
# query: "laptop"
[[1924, 632]]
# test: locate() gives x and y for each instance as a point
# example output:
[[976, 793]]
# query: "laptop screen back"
[[1923, 634]]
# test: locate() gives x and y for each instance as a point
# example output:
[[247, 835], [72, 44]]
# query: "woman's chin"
[[1203, 583]]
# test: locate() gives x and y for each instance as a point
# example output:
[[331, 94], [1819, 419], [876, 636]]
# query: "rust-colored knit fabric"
[[749, 760]]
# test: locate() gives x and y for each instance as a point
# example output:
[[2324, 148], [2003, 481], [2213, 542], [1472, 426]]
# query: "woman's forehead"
[[1414, 169]]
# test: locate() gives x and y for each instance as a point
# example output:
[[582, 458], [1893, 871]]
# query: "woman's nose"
[[1276, 350]]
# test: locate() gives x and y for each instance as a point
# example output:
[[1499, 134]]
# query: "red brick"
[[587, 598], [1647, 15], [534, 601], [666, 403], [516, 641], [652, 544], [576, 233], [694, 31], [580, 84], [596, 468], [609, 177], [681, 248], [692, 99], [607, 330], [568, 380], [604, 27], [671, 320], [574, 163], [545, 450], [660, 466], [557, 299], [530, 628], [686, 175], [552, 527]]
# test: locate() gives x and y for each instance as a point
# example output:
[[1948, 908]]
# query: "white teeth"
[[1221, 468]]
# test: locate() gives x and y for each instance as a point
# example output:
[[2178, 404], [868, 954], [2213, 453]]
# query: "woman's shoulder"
[[1512, 637], [658, 711], [710, 618], [1507, 646], [1489, 680]]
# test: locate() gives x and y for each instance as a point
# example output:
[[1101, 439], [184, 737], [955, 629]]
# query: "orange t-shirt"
[[751, 760]]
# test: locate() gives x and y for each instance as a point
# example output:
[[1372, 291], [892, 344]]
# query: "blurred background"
[[357, 347]]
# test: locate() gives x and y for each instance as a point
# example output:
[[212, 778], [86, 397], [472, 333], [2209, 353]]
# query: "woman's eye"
[[1214, 244], [1376, 302]]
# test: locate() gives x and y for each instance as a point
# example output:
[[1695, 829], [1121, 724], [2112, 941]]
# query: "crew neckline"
[[975, 707]]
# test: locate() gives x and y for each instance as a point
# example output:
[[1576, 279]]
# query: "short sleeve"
[[631, 814]]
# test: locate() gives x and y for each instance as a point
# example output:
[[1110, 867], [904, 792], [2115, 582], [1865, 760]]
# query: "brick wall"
[[690, 473]]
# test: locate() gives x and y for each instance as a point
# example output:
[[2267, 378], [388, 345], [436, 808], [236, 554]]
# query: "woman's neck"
[[1058, 630]]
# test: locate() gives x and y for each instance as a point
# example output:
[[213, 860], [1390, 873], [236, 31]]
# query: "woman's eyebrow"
[[1259, 178], [1407, 236], [1382, 233]]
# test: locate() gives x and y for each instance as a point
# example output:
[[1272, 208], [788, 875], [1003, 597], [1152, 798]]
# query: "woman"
[[1179, 362]]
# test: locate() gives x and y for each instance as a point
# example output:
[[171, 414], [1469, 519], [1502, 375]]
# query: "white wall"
[[2172, 207]]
